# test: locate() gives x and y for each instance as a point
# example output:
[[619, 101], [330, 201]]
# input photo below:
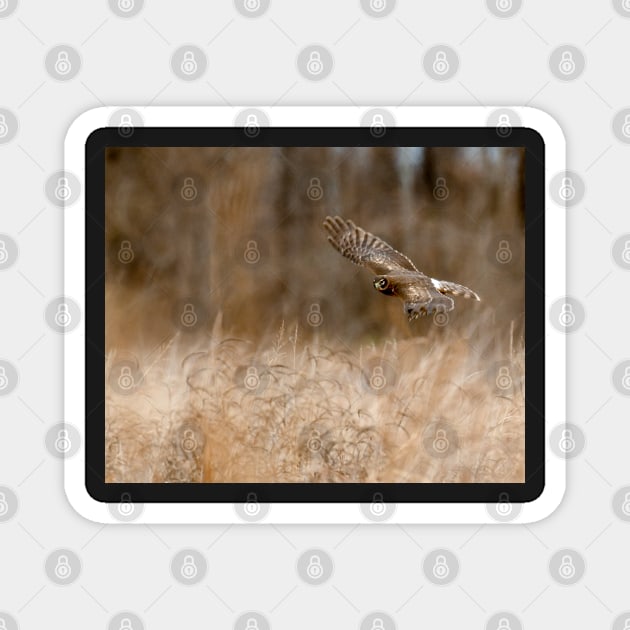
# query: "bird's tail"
[[452, 288]]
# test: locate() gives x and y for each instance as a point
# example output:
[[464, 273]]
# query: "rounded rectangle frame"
[[321, 502]]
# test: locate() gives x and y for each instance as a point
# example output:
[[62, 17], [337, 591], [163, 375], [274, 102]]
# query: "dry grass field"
[[241, 347]]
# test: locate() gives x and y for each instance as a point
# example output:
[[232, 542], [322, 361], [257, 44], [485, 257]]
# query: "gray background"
[[252, 59]]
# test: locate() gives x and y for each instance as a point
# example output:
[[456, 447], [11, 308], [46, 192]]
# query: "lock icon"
[[625, 255], [504, 5], [440, 191], [4, 381], [62, 317], [314, 64], [377, 126], [63, 191], [315, 317], [189, 190], [567, 316], [125, 507], [441, 569], [125, 127], [62, 569], [251, 255], [503, 380], [125, 624], [377, 624], [378, 380], [188, 317], [189, 443], [626, 7], [314, 442], [252, 507], [504, 624], [125, 253], [252, 380], [625, 381], [504, 253], [567, 63], [252, 5], [126, 5], [378, 5], [315, 191], [440, 318], [567, 189], [504, 507], [4, 506], [378, 507], [62, 64], [567, 568], [626, 624], [625, 128], [251, 125], [4, 254], [625, 506], [63, 443], [252, 624], [125, 378], [567, 441], [440, 441], [4, 128], [314, 570], [189, 568], [503, 125], [440, 63], [189, 63]]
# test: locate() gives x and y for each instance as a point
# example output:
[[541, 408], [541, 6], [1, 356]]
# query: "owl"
[[396, 275]]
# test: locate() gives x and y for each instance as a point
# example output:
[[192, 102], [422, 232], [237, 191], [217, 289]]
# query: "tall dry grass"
[[416, 410], [254, 391]]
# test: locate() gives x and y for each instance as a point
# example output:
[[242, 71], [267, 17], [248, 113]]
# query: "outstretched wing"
[[365, 249], [452, 288]]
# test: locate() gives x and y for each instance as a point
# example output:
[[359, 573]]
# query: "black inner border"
[[534, 146]]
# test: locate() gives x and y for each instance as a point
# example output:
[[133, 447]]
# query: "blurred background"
[[194, 232]]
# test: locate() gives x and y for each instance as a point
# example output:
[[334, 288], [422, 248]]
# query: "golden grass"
[[294, 411]]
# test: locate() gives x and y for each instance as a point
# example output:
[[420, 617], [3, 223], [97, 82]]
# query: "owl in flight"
[[396, 274]]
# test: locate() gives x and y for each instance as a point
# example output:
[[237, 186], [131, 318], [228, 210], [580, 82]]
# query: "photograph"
[[314, 314]]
